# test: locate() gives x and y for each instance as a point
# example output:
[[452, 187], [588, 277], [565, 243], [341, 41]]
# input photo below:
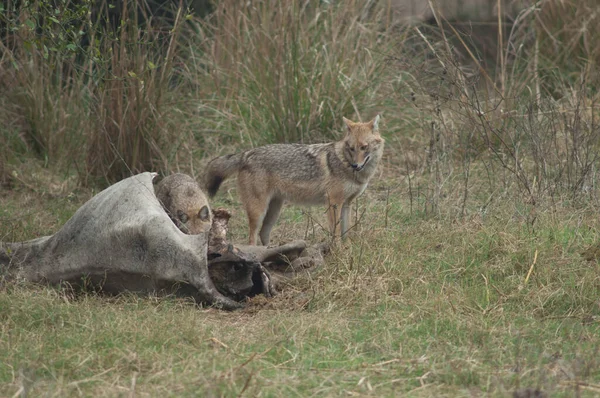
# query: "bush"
[[530, 122], [90, 96]]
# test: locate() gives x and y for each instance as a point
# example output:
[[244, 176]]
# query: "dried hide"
[[123, 240]]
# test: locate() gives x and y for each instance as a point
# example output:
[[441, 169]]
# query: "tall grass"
[[149, 95], [39, 83], [135, 100], [108, 100], [90, 96], [520, 125], [288, 71]]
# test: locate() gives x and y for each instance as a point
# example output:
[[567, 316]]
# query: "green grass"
[[422, 307]]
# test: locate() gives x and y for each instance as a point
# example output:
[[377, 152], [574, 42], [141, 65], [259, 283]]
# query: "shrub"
[[88, 94]]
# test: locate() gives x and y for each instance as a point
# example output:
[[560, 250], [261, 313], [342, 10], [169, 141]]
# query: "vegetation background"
[[472, 268]]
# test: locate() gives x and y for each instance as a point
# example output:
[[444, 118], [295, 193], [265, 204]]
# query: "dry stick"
[[531, 268], [467, 169], [219, 342], [307, 228], [580, 384], [517, 170], [355, 208], [536, 76], [437, 20], [387, 207], [501, 45], [481, 69], [430, 47], [487, 290], [20, 392], [312, 219], [253, 356], [385, 362], [410, 192], [434, 167], [246, 384], [357, 218], [457, 75], [133, 383], [335, 223], [171, 48]]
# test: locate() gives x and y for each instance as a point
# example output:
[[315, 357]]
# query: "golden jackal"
[[333, 174]]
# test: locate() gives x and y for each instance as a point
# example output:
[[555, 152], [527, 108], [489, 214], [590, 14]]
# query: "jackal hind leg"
[[270, 219], [256, 200], [256, 214], [256, 209]]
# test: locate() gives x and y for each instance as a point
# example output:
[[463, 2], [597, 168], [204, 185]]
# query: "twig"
[[532, 265], [218, 342], [246, 384], [501, 45]]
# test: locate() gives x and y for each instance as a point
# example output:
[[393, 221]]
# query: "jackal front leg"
[[334, 215], [346, 216], [345, 219]]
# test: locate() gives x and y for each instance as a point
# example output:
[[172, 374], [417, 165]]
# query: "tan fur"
[[185, 203], [332, 174]]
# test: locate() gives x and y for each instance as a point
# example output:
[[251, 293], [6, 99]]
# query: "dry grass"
[[420, 305], [87, 97], [285, 72]]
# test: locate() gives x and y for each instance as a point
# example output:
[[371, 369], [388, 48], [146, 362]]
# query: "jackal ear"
[[375, 124], [348, 124], [204, 213]]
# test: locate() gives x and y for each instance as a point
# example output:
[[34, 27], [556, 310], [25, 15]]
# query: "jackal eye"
[[350, 149], [204, 213], [182, 216], [364, 147]]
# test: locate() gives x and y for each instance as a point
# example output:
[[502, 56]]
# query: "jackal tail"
[[219, 169]]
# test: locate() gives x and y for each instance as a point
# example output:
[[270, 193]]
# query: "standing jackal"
[[333, 174]]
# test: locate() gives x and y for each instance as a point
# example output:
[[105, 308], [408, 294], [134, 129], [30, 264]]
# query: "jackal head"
[[362, 143], [185, 203]]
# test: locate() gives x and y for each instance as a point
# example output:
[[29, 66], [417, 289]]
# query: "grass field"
[[422, 306], [473, 269]]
